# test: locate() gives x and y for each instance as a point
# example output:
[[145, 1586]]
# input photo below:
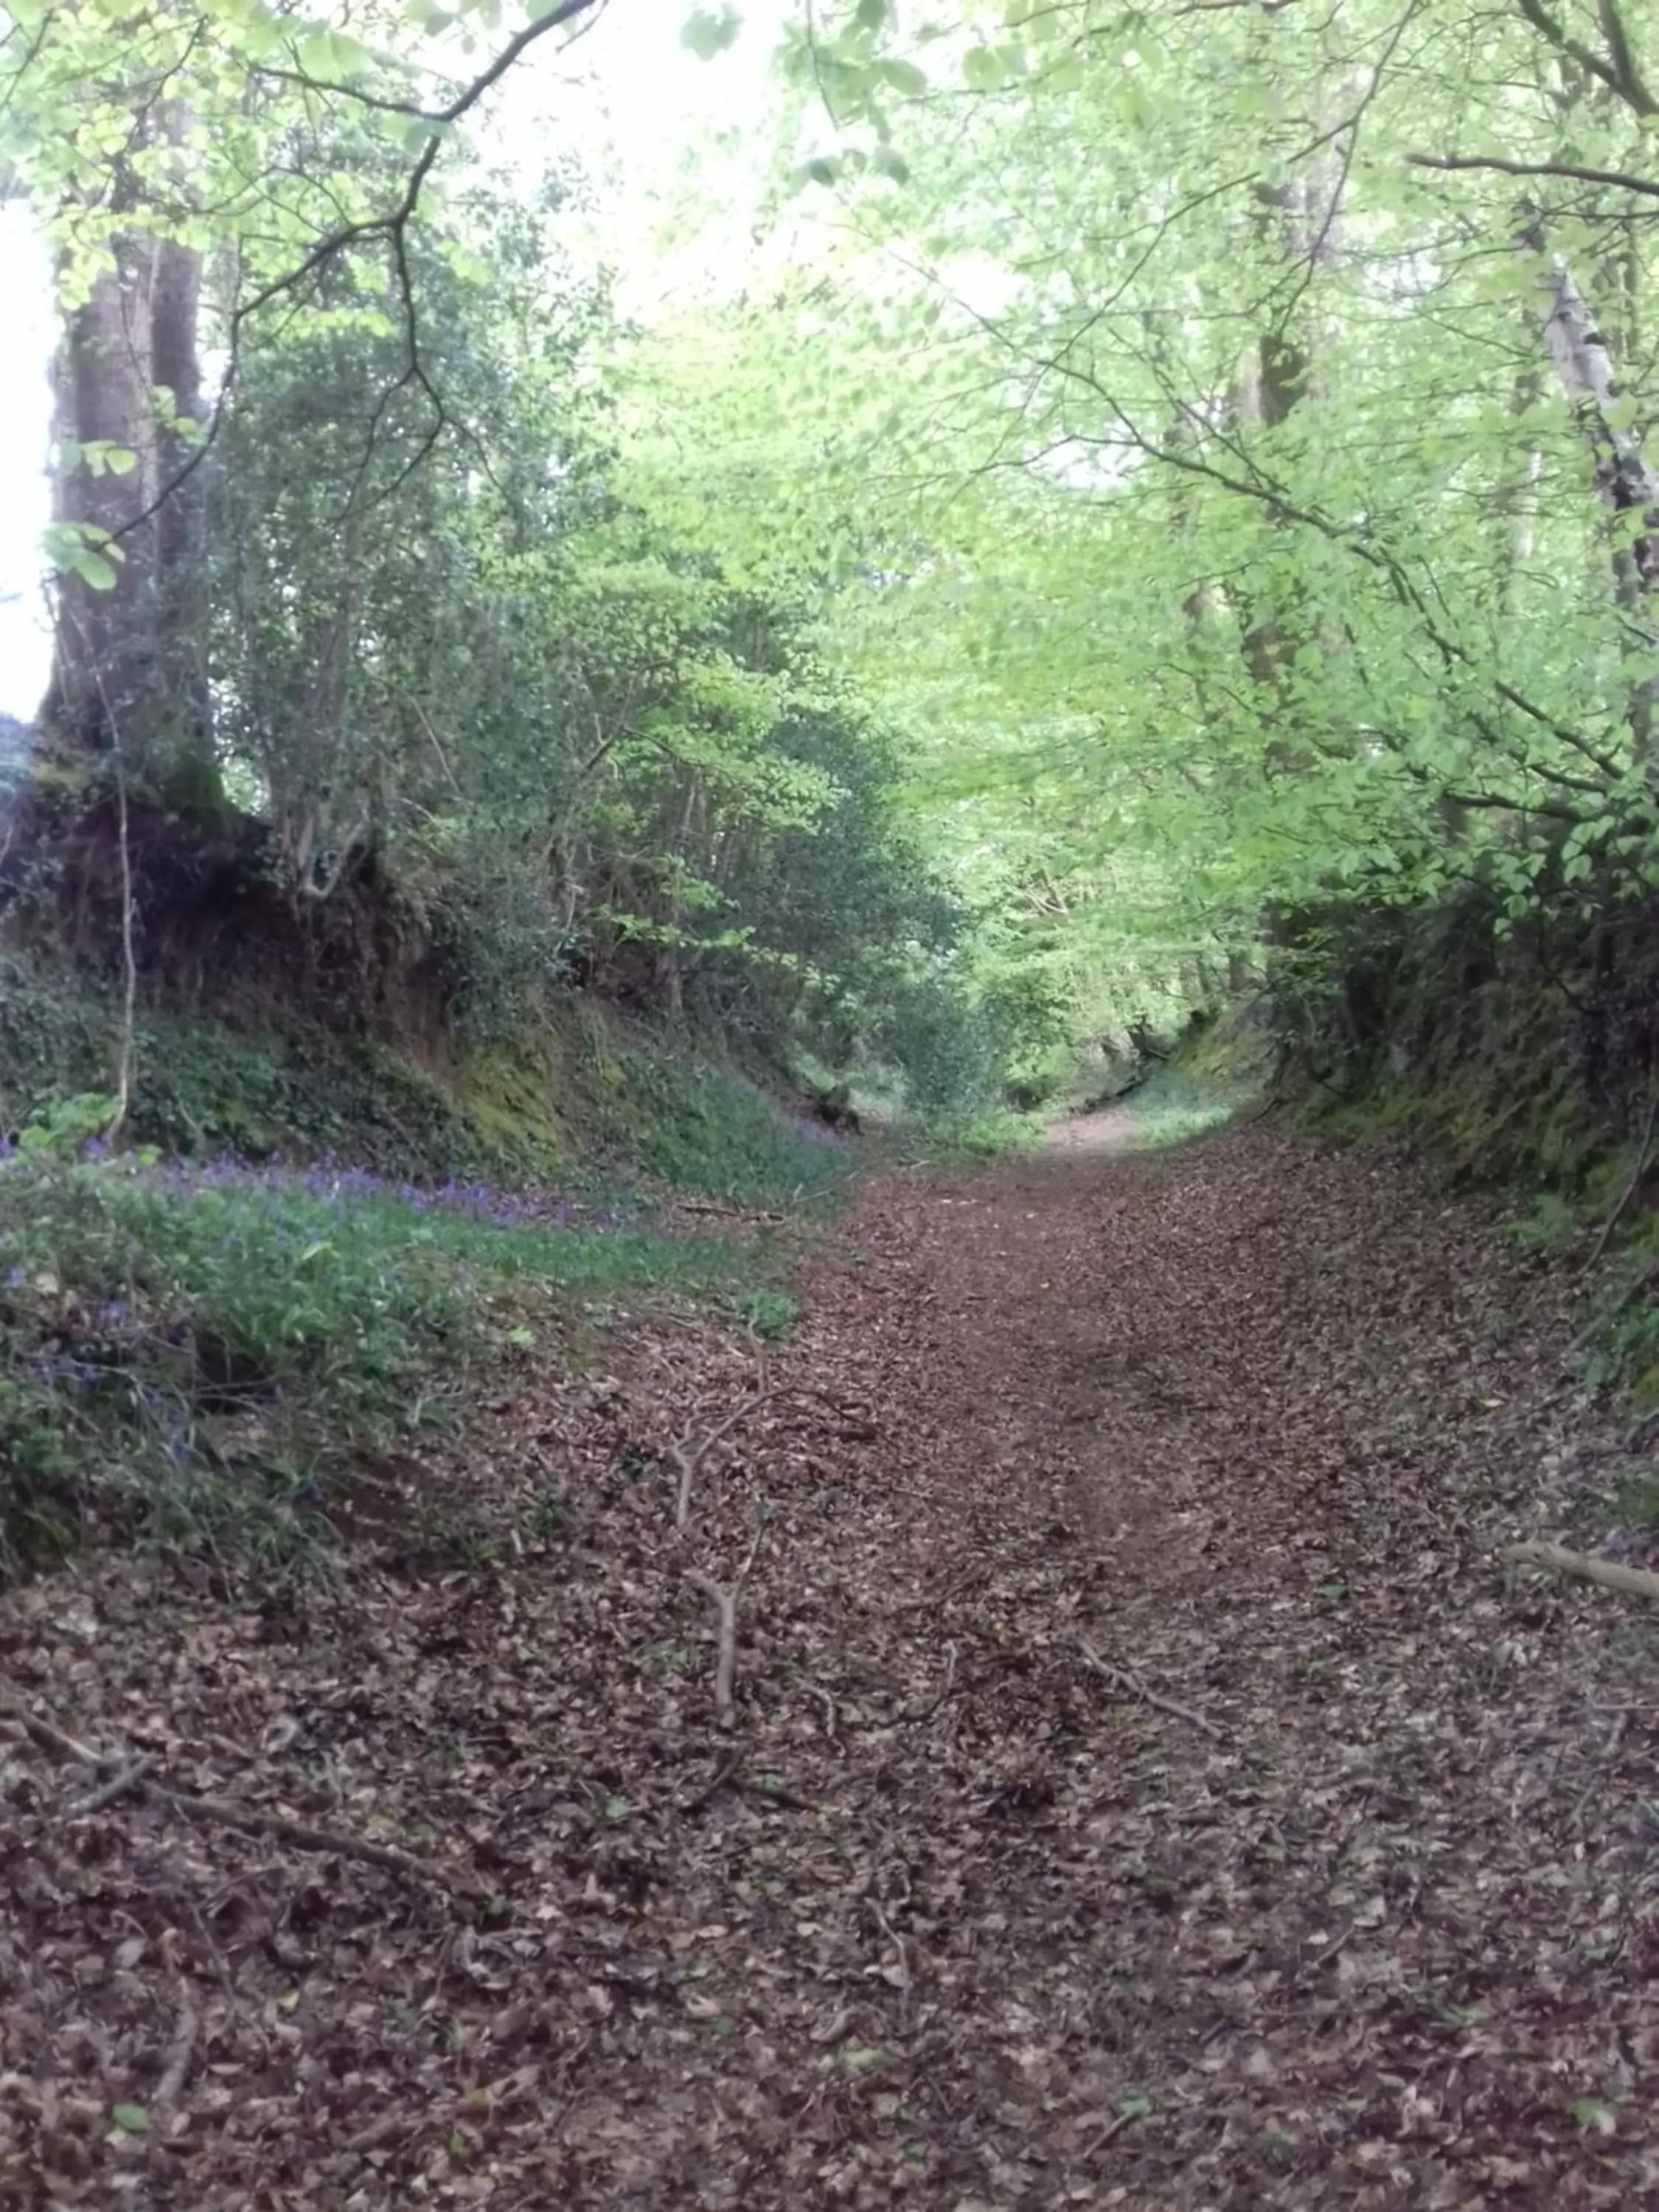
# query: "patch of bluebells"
[[340, 1186]]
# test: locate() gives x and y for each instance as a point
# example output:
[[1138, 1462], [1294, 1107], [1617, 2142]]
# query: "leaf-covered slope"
[[1141, 1785]]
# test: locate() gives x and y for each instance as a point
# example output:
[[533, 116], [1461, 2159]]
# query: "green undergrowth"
[[204, 1088], [582, 1096], [1175, 1105], [195, 1358], [965, 1140], [316, 1245]]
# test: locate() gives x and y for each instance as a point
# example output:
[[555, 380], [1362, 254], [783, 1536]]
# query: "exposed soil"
[[1141, 1786]]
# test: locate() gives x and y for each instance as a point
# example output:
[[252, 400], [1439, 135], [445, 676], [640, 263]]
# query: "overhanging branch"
[[391, 227]]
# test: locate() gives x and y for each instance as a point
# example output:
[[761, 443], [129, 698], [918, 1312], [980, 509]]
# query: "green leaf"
[[903, 77], [132, 2117], [94, 569], [709, 32]]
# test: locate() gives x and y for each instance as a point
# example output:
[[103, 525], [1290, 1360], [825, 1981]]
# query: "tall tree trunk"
[[1624, 479], [126, 664]]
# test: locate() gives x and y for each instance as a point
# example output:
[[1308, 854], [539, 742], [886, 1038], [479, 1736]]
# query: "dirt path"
[[1140, 1787]]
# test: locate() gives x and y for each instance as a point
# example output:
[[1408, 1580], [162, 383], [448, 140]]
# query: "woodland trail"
[[1140, 1787]]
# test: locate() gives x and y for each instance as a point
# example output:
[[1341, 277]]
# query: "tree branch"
[[1573, 172], [1628, 86], [470, 94], [391, 226]]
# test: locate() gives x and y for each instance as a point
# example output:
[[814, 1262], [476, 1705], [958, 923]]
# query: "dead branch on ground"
[[175, 2069], [210, 1812], [688, 1462], [117, 1786], [1586, 1567], [724, 1598], [1124, 1679]]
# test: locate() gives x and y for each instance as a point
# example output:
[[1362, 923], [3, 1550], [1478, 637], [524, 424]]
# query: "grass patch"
[[188, 1356], [1636, 1503], [1172, 1108], [1548, 1222], [705, 1128], [963, 1140]]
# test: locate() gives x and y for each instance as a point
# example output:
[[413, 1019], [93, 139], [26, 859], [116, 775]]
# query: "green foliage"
[[965, 1138], [703, 1127], [1636, 1503], [1191, 473], [195, 1356], [1547, 1221], [204, 1088], [769, 1313], [1172, 1108]]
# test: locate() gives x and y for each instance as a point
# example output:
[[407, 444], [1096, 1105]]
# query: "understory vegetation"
[[204, 1355]]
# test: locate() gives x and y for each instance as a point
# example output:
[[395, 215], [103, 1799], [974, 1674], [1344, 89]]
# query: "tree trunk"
[[126, 663], [1623, 477]]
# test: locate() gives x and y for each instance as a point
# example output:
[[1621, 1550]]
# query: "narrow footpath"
[[1054, 1734]]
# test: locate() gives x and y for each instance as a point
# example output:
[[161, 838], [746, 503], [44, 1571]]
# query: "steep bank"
[[1525, 1051]]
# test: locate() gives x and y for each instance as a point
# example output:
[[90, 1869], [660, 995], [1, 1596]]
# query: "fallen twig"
[[215, 1811], [175, 2069], [903, 1968], [725, 1663], [729, 1775], [926, 1713], [725, 1599], [52, 1739], [1126, 1681], [688, 1462], [1109, 2133], [129, 1778], [724, 1772], [831, 1716], [1584, 1567], [212, 1812]]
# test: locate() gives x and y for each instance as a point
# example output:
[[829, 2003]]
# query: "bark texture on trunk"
[[126, 661], [1624, 478]]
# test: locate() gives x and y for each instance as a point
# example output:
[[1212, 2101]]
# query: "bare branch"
[[1121, 1679], [391, 227], [1573, 172], [1628, 86], [470, 94]]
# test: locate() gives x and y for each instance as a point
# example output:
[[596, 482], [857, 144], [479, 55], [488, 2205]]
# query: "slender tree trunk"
[[1624, 478]]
